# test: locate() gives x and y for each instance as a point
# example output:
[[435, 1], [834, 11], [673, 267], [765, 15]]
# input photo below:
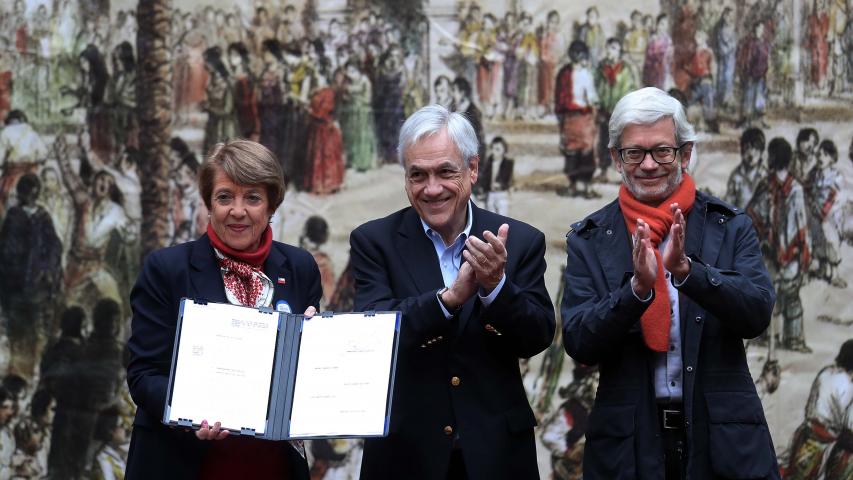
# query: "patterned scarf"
[[655, 321], [242, 271], [246, 283]]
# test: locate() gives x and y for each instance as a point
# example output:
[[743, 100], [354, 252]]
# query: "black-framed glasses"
[[662, 154]]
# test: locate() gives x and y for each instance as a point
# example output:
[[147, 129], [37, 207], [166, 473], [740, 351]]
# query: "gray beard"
[[671, 184]]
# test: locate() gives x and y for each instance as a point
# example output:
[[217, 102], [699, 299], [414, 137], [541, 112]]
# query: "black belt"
[[671, 416]]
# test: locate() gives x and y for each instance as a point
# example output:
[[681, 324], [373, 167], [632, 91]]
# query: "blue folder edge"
[[188, 422], [286, 358], [167, 410]]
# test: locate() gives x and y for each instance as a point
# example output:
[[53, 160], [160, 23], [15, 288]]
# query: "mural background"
[[327, 96]]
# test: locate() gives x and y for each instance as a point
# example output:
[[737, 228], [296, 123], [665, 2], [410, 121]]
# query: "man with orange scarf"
[[662, 287]]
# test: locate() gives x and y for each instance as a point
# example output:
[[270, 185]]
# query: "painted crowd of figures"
[[730, 59], [277, 80], [728, 55], [328, 98]]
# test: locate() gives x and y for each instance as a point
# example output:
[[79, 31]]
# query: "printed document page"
[[343, 376], [224, 365]]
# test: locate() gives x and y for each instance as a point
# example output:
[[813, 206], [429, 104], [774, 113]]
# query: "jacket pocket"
[[740, 445], [609, 451]]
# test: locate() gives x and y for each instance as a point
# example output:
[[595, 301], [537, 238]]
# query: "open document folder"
[[281, 376]]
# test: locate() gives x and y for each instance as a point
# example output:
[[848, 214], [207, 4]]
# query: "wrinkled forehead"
[[433, 151]]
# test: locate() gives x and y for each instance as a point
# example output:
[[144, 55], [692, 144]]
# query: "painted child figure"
[[745, 177], [823, 184], [495, 181]]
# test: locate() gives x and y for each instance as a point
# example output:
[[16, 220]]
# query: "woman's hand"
[[206, 432], [310, 312]]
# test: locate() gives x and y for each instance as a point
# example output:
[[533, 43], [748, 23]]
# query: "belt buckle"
[[671, 419]]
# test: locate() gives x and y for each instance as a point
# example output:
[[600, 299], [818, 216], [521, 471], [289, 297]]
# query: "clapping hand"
[[645, 263], [463, 288], [674, 259], [488, 258]]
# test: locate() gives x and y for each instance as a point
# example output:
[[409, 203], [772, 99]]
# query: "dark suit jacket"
[[190, 270], [396, 268], [728, 297]]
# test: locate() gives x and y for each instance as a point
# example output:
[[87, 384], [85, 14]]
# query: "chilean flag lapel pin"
[[281, 281]]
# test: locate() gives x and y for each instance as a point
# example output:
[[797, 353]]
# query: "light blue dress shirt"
[[450, 260], [669, 376]]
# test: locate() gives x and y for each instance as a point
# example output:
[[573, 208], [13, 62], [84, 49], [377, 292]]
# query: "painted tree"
[[154, 111]]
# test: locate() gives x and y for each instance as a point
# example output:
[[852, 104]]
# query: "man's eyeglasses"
[[662, 155]]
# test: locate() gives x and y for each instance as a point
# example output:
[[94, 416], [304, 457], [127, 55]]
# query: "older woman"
[[237, 261]]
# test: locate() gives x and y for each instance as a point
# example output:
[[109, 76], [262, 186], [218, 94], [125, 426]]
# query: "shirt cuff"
[[447, 314], [676, 283], [488, 299], [646, 300]]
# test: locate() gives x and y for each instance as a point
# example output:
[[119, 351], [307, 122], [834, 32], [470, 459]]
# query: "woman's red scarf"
[[655, 322], [241, 456], [240, 266]]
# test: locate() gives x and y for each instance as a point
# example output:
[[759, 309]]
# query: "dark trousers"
[[675, 453], [671, 418]]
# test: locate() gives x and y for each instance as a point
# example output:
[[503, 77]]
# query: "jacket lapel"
[[695, 228], [691, 332], [278, 269], [613, 247], [417, 253], [205, 276], [713, 230], [478, 225]]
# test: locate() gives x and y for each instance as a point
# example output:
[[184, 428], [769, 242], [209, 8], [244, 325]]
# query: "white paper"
[[224, 366], [343, 376]]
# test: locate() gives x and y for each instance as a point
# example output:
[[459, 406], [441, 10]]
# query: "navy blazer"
[[728, 297], [458, 376], [190, 270]]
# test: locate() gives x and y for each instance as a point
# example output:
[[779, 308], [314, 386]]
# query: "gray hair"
[[645, 107], [432, 119]]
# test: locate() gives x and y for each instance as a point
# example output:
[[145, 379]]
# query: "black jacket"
[[727, 298], [396, 268], [190, 270]]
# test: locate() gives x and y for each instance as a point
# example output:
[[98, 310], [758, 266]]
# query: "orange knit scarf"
[[655, 322]]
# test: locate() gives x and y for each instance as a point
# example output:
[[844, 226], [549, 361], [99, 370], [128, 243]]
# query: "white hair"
[[645, 107], [433, 119]]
